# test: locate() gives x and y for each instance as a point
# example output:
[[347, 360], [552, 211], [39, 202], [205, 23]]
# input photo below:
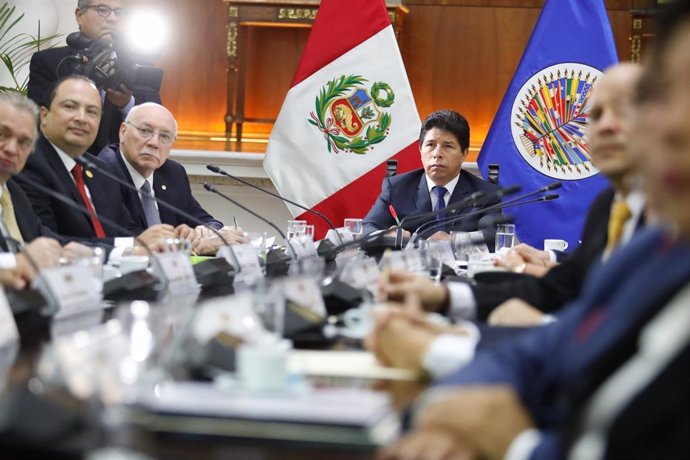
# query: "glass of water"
[[505, 237], [295, 228]]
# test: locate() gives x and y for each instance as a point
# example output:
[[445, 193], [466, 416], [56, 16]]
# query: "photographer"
[[99, 21]]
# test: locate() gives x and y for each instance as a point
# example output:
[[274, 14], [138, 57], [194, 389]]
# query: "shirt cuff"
[[121, 245], [548, 319], [450, 352], [552, 255], [125, 110], [462, 302], [523, 445], [8, 261]]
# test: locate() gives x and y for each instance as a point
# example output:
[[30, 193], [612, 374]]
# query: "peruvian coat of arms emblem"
[[350, 115]]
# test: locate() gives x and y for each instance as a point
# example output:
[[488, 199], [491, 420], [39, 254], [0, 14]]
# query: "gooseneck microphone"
[[501, 205], [91, 165], [164, 282], [218, 170], [213, 189]]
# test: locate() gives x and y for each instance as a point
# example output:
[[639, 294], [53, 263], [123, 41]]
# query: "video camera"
[[108, 65]]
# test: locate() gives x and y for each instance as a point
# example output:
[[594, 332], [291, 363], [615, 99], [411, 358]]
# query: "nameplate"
[[232, 315], [245, 260], [362, 273], [345, 235], [8, 328], [178, 271], [73, 289], [304, 247], [304, 291], [470, 246]]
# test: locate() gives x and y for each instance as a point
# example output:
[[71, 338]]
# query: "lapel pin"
[[164, 187], [89, 174]]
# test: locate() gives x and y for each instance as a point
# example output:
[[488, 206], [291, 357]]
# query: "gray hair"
[[132, 113], [81, 4], [23, 103]]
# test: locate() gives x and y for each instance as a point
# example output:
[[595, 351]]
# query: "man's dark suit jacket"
[[556, 369], [563, 282], [409, 194], [43, 73], [45, 167], [27, 221], [171, 185]]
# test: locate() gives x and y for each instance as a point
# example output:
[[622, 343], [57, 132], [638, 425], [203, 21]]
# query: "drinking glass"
[[355, 226], [505, 237], [295, 228]]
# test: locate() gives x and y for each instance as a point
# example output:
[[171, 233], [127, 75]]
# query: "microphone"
[[218, 170], [213, 189], [91, 165], [139, 283], [433, 224], [499, 206]]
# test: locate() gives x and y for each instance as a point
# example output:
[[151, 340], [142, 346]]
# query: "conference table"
[[111, 425]]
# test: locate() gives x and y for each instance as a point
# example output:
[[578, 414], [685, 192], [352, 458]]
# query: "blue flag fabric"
[[537, 136]]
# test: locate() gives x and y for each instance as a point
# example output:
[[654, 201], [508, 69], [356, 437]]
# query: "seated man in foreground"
[[142, 159], [610, 379], [444, 143]]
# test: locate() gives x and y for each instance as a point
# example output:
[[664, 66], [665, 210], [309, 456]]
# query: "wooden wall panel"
[[459, 54]]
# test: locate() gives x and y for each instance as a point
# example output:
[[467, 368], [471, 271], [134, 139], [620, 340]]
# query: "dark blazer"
[[27, 221], [409, 194], [563, 282], [45, 167], [556, 369], [171, 185], [50, 65]]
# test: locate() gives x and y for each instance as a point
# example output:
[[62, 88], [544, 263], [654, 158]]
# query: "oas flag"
[[349, 109], [539, 133]]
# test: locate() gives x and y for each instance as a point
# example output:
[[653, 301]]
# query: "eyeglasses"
[[165, 138], [105, 10]]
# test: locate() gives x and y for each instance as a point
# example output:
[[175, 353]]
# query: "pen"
[[235, 219], [391, 209]]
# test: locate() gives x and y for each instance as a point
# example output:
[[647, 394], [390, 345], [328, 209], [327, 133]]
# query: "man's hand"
[[119, 98], [393, 231], [525, 259], [208, 243], [20, 276], [399, 283], [154, 237], [439, 236], [465, 423], [73, 251], [401, 336], [185, 232], [45, 252], [515, 312]]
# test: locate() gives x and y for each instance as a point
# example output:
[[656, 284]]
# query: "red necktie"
[[79, 180]]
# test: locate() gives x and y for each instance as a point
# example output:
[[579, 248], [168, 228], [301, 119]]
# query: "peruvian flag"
[[349, 109]]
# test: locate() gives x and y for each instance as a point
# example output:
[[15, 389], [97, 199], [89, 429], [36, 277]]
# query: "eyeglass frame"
[[152, 132], [119, 12]]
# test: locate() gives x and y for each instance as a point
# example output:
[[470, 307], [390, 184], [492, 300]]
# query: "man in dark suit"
[[96, 19], [526, 299], [142, 159], [68, 127], [18, 222], [610, 379], [444, 143]]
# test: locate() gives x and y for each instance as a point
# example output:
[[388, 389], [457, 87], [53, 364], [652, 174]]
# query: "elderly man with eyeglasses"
[[97, 19], [141, 159]]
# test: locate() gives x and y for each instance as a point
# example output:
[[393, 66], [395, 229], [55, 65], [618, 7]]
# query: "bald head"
[[610, 122], [146, 137]]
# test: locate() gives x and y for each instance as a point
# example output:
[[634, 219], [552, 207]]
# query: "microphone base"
[[136, 285]]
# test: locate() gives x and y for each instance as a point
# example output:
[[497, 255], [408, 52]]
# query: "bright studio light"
[[147, 32]]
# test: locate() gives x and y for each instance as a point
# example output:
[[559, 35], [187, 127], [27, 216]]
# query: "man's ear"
[[465, 153], [43, 111]]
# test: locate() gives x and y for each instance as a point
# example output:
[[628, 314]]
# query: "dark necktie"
[[440, 192], [79, 181], [149, 205]]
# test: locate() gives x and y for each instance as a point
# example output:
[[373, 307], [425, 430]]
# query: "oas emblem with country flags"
[[350, 115], [549, 120]]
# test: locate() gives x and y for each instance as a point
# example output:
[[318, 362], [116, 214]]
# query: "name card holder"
[[345, 234], [177, 269], [304, 247], [9, 334], [70, 289], [244, 259]]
